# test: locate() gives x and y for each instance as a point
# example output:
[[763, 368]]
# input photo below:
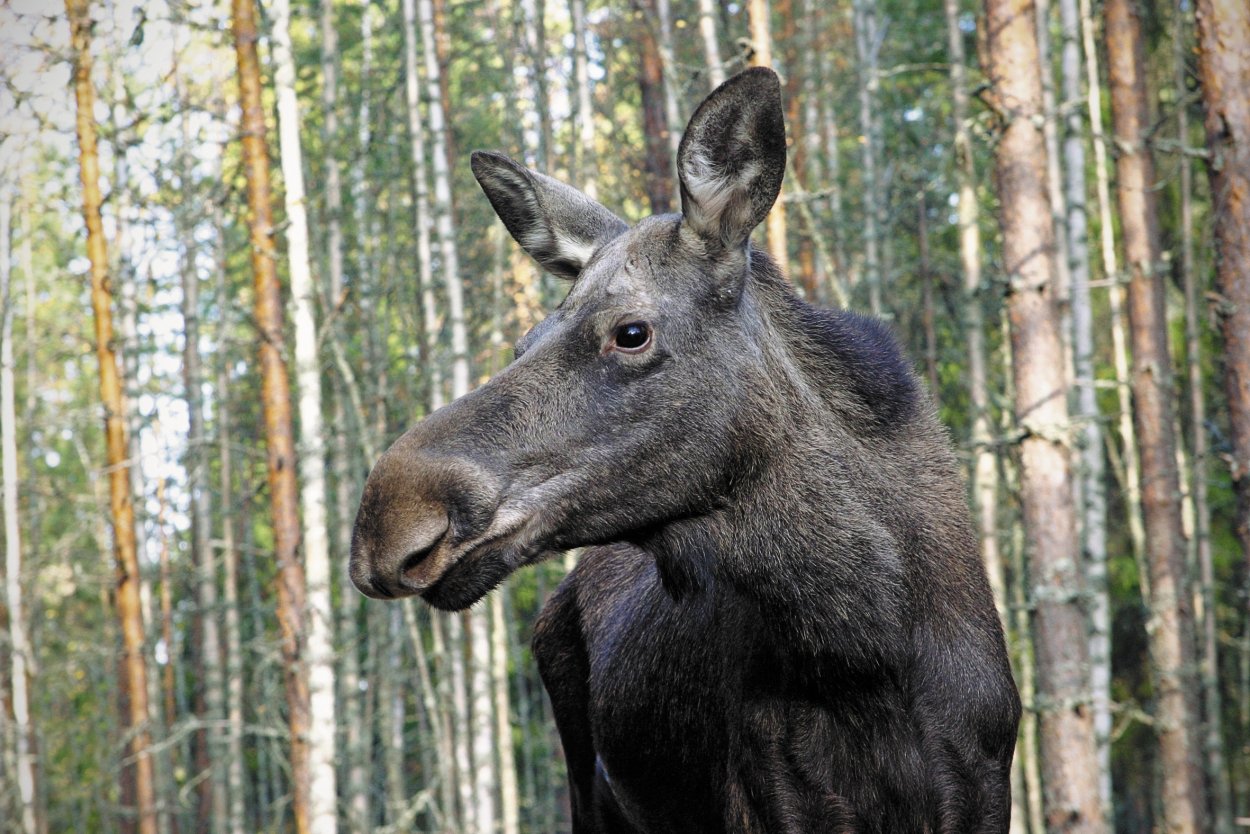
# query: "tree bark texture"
[[760, 21], [1224, 66], [657, 164], [276, 403], [1069, 757], [1169, 629], [133, 682], [25, 763]]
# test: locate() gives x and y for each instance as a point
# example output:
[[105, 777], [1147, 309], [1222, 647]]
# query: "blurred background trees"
[[251, 243]]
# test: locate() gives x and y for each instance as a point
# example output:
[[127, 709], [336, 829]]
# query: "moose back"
[[781, 622]]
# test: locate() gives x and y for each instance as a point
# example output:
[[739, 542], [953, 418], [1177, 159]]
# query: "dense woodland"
[[241, 250]]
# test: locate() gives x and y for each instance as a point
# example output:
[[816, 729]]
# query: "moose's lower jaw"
[[477, 573]]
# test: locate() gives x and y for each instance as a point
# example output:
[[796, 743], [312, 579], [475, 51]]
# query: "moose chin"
[[780, 622]]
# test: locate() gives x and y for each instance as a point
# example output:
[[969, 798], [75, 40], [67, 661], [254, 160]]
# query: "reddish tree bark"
[[276, 403], [657, 167], [137, 779], [1069, 756], [1171, 640]]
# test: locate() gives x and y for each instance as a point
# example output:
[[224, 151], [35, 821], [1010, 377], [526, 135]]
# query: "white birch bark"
[[229, 553], [19, 643], [585, 108], [1089, 453], [484, 784], [322, 813], [866, 48], [711, 44], [1111, 271]]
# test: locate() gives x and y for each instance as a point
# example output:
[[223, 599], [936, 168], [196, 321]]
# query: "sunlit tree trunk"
[[1224, 68], [319, 622], [1171, 640], [711, 44], [840, 278], [26, 775], [1069, 756], [759, 19], [276, 403], [1054, 186], [866, 47], [126, 594]]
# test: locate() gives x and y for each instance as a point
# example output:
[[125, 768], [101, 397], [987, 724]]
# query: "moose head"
[[627, 407]]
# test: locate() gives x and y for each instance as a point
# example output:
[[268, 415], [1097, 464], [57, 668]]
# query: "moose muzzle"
[[421, 510]]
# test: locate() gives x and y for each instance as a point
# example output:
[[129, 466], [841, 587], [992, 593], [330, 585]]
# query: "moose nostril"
[[414, 559]]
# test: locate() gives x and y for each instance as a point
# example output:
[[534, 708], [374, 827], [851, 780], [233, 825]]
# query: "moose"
[[780, 622]]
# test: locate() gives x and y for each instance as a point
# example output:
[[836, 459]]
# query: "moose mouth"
[[480, 569]]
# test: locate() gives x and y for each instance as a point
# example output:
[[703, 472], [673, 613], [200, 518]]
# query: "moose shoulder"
[[781, 623]]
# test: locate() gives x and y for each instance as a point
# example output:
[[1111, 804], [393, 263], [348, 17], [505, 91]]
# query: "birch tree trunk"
[[345, 486], [212, 791], [26, 776], [276, 404], [236, 809], [485, 783], [711, 44], [319, 648], [1089, 457], [866, 61], [1171, 641], [1069, 756], [586, 169], [133, 666]]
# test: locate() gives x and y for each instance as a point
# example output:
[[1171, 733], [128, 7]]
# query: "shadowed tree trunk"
[[276, 404], [1224, 68], [1224, 65], [1069, 756], [1171, 640], [133, 683], [713, 64], [657, 164]]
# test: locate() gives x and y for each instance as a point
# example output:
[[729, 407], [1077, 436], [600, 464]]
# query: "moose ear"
[[559, 226], [732, 158]]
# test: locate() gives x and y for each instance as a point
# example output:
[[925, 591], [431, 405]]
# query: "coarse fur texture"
[[781, 622]]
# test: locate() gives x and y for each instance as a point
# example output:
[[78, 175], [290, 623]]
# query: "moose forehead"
[[651, 265]]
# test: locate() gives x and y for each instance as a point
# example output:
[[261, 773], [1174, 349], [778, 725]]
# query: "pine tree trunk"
[[1069, 756], [866, 62], [133, 666], [1218, 776], [760, 22], [26, 776], [1224, 66], [1171, 641], [657, 164], [276, 404]]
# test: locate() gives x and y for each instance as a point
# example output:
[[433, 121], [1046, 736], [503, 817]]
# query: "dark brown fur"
[[781, 622]]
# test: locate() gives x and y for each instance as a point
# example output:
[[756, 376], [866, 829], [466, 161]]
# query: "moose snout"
[[417, 511]]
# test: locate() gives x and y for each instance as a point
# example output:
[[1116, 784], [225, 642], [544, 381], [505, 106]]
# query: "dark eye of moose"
[[632, 337]]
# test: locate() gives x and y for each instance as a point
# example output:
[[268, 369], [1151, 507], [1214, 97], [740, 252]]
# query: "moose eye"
[[632, 337]]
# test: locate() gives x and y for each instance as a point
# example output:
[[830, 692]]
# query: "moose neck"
[[807, 522]]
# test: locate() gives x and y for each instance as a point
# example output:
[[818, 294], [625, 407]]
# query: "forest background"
[[236, 238]]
